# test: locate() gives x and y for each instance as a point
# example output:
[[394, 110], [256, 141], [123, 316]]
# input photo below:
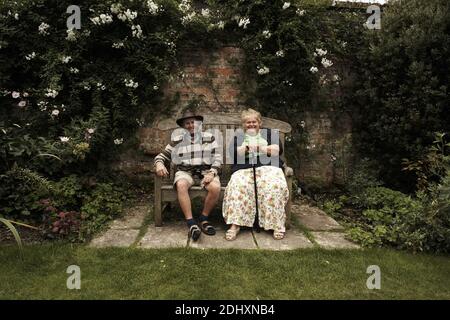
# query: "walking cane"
[[256, 222]]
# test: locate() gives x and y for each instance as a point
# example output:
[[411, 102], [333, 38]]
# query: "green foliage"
[[364, 174], [402, 85], [430, 166], [20, 191], [13, 230], [104, 203]]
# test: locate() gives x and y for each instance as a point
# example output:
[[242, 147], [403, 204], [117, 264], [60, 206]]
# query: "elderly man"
[[198, 159]]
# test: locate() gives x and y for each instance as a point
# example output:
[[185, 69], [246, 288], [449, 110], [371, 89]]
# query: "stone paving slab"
[[133, 218], [244, 240], [173, 235], [333, 240], [115, 238], [316, 220], [293, 239]]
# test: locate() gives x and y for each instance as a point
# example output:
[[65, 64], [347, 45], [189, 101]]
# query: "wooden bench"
[[164, 190]]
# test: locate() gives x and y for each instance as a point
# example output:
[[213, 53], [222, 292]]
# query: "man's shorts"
[[192, 180]]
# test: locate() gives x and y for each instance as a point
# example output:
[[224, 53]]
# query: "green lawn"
[[220, 274]]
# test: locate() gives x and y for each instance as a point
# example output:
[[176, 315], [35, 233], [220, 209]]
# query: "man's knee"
[[213, 187], [183, 185]]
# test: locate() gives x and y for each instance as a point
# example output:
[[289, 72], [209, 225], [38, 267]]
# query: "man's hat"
[[188, 114]]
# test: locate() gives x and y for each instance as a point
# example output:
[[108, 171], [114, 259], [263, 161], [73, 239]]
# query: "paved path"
[[312, 228]]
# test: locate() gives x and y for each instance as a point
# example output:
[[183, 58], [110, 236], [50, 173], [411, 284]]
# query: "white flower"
[[336, 78], [66, 59], [320, 52], [155, 88], [286, 5], [263, 70], [64, 139], [30, 56], [280, 53], [243, 22], [102, 19], [43, 27], [90, 130], [313, 69], [87, 87], [205, 13], [189, 17], [333, 158], [51, 93], [116, 8], [118, 141], [96, 20], [136, 31], [130, 83], [300, 12], [266, 34], [22, 103], [25, 94], [74, 70], [16, 16], [220, 25], [184, 6], [152, 7], [302, 123], [55, 112], [71, 35], [103, 87], [118, 45], [326, 63], [127, 15], [42, 105], [15, 94]]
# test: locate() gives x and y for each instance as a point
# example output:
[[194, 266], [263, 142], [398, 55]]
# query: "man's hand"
[[161, 170], [207, 178]]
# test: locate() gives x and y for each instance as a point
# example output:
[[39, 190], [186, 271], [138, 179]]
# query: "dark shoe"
[[207, 228], [194, 232]]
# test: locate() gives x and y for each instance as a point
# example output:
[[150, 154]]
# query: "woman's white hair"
[[250, 113]]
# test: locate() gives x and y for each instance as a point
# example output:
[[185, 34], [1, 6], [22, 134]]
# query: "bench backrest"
[[222, 122]]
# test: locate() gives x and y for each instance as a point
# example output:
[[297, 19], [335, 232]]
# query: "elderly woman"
[[253, 147]]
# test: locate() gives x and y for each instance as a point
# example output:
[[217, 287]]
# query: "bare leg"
[[183, 198], [211, 198]]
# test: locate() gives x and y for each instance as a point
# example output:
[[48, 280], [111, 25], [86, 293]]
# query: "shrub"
[[403, 86], [104, 203], [387, 217], [20, 192]]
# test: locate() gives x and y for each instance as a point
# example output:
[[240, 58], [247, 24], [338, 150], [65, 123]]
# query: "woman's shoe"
[[231, 234], [278, 235]]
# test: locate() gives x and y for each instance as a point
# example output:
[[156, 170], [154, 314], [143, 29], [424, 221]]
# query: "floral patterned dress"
[[239, 200]]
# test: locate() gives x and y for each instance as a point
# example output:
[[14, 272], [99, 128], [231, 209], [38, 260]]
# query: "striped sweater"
[[192, 154]]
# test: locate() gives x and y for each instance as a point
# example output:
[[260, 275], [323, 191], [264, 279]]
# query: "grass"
[[114, 273]]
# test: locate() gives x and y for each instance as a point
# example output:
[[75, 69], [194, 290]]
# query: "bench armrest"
[[288, 171]]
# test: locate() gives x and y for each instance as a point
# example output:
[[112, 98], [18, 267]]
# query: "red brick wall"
[[214, 78]]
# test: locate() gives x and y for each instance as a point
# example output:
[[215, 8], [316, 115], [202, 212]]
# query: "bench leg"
[[158, 214], [158, 202]]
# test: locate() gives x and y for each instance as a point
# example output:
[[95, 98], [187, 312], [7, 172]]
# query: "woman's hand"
[[272, 150], [161, 170]]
